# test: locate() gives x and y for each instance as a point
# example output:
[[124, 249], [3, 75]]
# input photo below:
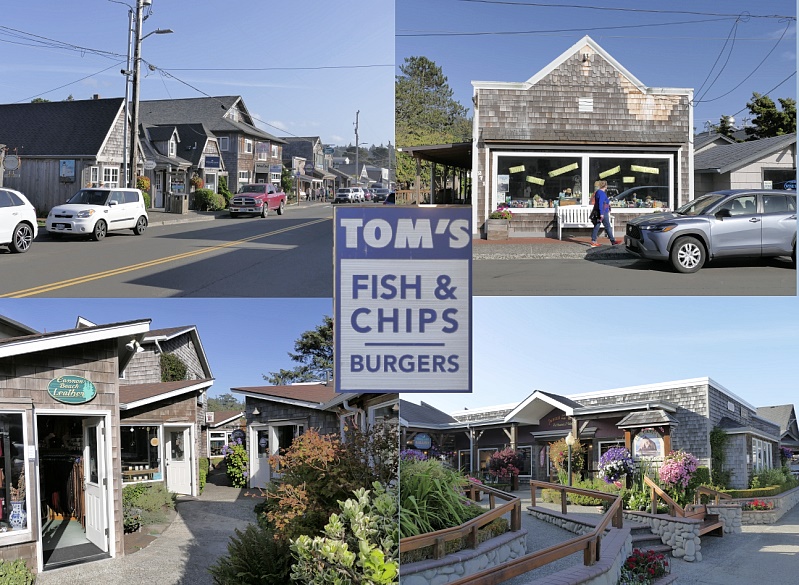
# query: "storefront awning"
[[458, 154]]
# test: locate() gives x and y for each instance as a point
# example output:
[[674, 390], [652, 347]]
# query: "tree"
[[286, 181], [225, 402], [39, 101], [725, 128], [425, 112], [313, 351], [768, 120]]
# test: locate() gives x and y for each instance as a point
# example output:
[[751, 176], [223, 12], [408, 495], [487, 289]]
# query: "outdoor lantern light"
[[570, 443], [255, 411]]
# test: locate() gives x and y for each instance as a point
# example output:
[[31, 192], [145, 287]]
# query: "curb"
[[549, 251]]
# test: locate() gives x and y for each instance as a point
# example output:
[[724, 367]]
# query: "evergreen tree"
[[314, 352], [225, 402], [725, 128], [425, 112], [769, 121]]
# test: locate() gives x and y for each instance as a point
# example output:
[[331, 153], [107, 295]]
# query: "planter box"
[[497, 229]]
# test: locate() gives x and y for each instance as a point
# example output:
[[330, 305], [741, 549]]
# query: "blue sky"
[[218, 35], [243, 338], [681, 55], [583, 344]]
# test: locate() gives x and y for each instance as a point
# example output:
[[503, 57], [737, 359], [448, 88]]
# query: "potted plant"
[[196, 181], [497, 224], [614, 465], [18, 516], [506, 464]]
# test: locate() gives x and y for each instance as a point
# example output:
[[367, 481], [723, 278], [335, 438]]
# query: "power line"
[[731, 34], [533, 32], [615, 9], [392, 65], [68, 84], [768, 92]]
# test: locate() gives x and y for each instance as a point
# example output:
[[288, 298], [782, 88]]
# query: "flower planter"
[[497, 229]]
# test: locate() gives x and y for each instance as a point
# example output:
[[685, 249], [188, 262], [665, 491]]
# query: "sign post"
[[402, 303]]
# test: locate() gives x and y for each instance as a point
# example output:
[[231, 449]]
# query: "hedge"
[[204, 465]]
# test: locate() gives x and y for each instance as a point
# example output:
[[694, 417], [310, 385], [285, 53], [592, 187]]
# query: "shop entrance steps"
[[643, 538], [710, 522]]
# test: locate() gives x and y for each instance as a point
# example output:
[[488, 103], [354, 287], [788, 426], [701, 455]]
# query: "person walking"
[[602, 205]]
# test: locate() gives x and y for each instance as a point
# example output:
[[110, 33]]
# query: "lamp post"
[[138, 38], [570, 443]]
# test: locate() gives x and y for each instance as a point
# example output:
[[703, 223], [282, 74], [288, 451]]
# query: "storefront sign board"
[[403, 299], [72, 389], [422, 441], [648, 443]]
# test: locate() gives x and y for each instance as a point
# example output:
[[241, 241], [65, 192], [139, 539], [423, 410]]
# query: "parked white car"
[[95, 211], [18, 226]]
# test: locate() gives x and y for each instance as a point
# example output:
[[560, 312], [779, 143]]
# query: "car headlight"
[[659, 227], [85, 213]]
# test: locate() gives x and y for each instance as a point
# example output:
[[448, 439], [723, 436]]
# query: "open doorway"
[[73, 473]]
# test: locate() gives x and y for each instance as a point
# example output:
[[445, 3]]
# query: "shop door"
[[158, 190], [259, 456], [178, 460], [95, 482]]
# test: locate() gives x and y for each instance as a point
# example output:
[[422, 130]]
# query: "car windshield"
[[252, 189], [90, 197], [701, 205]]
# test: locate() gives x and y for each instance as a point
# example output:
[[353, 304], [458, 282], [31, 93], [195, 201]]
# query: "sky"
[[695, 54], [575, 345], [243, 338], [210, 41]]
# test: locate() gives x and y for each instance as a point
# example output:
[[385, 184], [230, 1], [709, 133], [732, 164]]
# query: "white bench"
[[576, 216]]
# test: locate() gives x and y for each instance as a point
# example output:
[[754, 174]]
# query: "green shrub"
[[236, 460], [16, 573], [767, 477], [172, 368], [207, 200], [204, 465], [144, 504], [147, 199], [224, 191], [254, 557], [598, 485], [360, 545]]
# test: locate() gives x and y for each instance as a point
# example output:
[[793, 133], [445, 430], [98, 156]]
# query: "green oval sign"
[[71, 389]]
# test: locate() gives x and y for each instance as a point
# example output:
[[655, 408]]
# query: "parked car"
[[349, 195], [18, 227], [95, 211], [722, 224], [367, 194], [257, 199], [380, 194]]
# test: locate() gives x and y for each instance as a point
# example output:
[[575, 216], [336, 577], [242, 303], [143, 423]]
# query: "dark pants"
[[609, 230]]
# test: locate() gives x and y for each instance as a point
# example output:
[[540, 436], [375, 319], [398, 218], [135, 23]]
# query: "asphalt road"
[[631, 277], [278, 256]]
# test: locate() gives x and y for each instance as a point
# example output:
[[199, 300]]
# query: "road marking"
[[28, 292]]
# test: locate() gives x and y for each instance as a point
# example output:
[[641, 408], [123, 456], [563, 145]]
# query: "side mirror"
[[722, 213], [112, 203]]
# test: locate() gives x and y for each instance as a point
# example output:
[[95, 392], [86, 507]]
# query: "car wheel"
[[99, 231], [265, 209], [141, 225], [687, 255], [280, 208], [21, 238]]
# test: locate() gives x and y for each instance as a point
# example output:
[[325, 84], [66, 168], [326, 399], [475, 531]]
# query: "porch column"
[[418, 182]]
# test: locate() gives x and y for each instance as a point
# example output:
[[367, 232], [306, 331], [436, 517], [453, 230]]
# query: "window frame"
[[23, 534], [224, 143], [159, 451]]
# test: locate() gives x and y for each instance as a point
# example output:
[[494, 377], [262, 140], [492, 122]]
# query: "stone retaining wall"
[[490, 553], [782, 504], [730, 515], [681, 534]]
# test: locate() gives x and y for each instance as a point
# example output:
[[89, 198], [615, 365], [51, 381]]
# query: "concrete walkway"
[[182, 554]]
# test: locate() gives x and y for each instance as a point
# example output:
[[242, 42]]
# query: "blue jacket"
[[601, 202]]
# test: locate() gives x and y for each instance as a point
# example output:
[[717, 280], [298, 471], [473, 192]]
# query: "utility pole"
[[126, 72], [134, 131], [357, 171]]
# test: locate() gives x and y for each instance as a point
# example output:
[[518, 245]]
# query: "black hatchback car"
[[721, 224]]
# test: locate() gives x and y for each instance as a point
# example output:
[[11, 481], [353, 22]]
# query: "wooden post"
[[563, 501], [440, 548], [532, 494], [471, 539], [516, 517]]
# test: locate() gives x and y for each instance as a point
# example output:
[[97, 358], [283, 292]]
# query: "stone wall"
[[729, 514], [490, 553], [681, 534], [783, 503]]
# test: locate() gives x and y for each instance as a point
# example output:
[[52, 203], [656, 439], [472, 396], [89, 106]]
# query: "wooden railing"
[[589, 544], [408, 197], [438, 540], [715, 494], [657, 492]]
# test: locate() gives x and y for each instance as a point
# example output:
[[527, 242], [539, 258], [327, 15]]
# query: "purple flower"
[[412, 455], [615, 463]]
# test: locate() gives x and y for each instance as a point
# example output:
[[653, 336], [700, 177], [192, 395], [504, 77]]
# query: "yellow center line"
[[150, 263]]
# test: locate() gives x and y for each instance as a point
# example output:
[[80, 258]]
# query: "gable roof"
[[729, 157], [157, 335], [11, 328], [76, 128], [783, 415], [222, 417], [536, 406], [136, 395], [207, 110], [705, 139], [424, 415], [310, 395]]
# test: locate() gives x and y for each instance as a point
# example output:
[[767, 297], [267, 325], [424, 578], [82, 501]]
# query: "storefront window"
[[633, 182], [539, 181], [218, 440], [140, 454], [13, 483]]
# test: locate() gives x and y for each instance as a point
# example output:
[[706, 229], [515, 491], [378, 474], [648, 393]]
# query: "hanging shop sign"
[[648, 443], [403, 299], [422, 441], [72, 389]]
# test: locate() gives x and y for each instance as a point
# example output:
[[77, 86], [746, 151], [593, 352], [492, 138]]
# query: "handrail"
[[710, 492], [589, 543], [674, 508], [439, 538]]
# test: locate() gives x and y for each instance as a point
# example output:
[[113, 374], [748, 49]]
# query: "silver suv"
[[722, 224], [349, 195]]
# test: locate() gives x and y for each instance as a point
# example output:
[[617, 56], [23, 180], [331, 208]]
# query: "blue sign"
[[403, 308], [423, 441], [277, 169], [211, 162]]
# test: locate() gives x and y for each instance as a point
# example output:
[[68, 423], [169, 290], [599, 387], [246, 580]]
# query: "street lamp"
[[570, 443], [136, 73]]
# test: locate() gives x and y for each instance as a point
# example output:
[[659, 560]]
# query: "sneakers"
[[616, 243], [595, 245]]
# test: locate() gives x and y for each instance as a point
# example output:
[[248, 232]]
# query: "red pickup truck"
[[257, 198]]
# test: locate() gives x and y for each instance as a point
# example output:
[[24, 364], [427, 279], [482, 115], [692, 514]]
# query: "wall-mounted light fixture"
[[255, 411], [134, 345]]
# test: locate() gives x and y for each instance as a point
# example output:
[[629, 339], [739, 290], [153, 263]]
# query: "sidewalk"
[[547, 249]]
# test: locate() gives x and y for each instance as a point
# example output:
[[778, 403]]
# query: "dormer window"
[[173, 147]]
